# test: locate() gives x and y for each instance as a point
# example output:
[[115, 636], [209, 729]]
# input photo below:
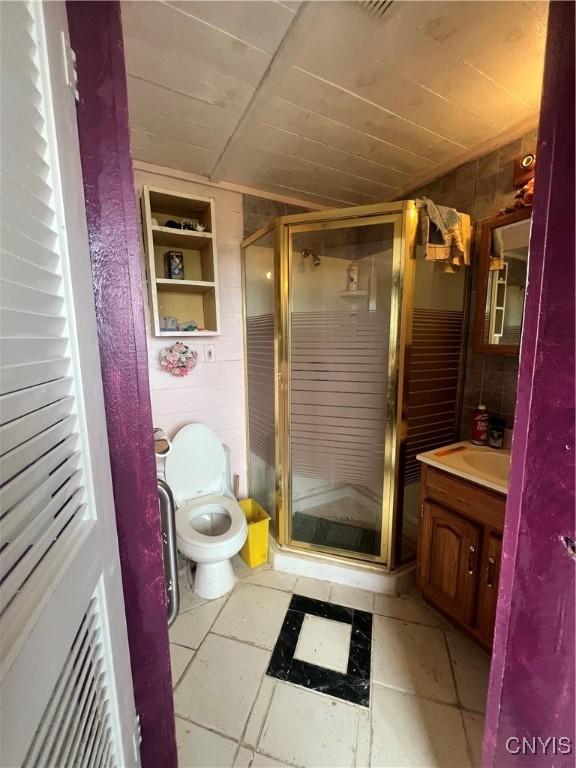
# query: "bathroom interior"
[[340, 364], [333, 205]]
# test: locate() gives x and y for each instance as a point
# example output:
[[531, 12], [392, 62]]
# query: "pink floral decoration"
[[178, 359]]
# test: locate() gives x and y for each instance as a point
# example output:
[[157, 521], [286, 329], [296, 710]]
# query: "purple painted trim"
[[114, 231], [533, 668]]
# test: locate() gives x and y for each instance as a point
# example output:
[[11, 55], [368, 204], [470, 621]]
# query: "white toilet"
[[210, 525]]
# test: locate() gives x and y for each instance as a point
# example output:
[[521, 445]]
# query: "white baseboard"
[[319, 566]]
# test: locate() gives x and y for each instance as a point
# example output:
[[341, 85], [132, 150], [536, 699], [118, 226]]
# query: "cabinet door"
[[488, 585], [448, 552]]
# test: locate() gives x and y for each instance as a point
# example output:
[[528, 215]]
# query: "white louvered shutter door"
[[65, 686]]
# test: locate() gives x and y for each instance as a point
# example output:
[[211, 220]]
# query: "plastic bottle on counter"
[[496, 432], [480, 425]]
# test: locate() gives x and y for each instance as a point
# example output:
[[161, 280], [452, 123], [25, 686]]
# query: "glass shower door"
[[342, 324], [260, 317]]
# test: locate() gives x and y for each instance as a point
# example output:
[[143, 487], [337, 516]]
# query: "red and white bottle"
[[480, 425]]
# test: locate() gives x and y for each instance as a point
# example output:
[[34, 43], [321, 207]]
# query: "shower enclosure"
[[337, 402]]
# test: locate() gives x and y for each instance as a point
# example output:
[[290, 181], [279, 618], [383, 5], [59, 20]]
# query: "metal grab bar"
[[170, 550]]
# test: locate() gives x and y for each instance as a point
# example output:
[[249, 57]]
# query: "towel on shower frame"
[[444, 235]]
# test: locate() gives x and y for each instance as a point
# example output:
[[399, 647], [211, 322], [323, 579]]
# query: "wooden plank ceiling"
[[327, 101]]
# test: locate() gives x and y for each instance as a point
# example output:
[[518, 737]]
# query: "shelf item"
[[195, 297]]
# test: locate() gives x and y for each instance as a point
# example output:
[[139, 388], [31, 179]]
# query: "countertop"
[[479, 464]]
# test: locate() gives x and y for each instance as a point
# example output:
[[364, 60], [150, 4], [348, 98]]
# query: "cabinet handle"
[[490, 572], [471, 558]]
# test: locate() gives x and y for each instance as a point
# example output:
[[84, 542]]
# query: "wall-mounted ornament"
[[178, 359]]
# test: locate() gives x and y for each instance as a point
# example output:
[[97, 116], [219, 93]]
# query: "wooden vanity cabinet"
[[459, 549]]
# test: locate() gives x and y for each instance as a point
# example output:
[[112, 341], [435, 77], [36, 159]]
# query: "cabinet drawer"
[[473, 501]]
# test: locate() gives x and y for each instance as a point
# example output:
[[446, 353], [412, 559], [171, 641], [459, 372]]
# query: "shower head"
[[316, 261]]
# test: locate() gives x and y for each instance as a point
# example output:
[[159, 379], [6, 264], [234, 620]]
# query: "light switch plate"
[[209, 353]]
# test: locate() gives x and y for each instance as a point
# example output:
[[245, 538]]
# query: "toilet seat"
[[196, 465], [204, 505]]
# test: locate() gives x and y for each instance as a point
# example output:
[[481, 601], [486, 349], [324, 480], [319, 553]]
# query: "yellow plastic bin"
[[255, 550]]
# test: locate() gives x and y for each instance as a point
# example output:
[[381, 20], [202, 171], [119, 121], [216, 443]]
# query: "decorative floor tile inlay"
[[324, 643], [353, 685]]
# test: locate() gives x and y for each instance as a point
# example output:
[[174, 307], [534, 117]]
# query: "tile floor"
[[426, 695]]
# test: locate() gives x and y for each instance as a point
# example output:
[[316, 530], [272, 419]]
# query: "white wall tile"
[[212, 393]]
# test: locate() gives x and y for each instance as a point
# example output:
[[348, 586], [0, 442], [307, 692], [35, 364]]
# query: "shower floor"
[[342, 522], [314, 529]]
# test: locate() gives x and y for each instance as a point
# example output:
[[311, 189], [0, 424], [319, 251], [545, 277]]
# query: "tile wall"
[[481, 188], [258, 211], [213, 392]]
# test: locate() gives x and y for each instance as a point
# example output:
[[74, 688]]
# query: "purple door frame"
[[531, 690], [114, 232]]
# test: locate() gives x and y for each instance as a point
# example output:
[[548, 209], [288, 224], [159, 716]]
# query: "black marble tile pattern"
[[352, 686]]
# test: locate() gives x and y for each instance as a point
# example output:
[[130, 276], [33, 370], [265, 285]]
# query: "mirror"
[[502, 274]]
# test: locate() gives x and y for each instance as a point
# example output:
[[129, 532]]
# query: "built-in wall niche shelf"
[[193, 296], [180, 238], [353, 294]]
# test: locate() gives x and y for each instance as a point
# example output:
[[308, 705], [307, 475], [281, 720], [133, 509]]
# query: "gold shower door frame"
[[403, 216]]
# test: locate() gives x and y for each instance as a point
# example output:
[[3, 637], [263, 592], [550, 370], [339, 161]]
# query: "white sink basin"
[[490, 464], [487, 466]]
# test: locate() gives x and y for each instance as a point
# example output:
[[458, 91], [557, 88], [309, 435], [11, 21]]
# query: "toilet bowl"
[[210, 525]]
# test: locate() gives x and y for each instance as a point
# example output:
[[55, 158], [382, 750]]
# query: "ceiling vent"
[[376, 7]]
